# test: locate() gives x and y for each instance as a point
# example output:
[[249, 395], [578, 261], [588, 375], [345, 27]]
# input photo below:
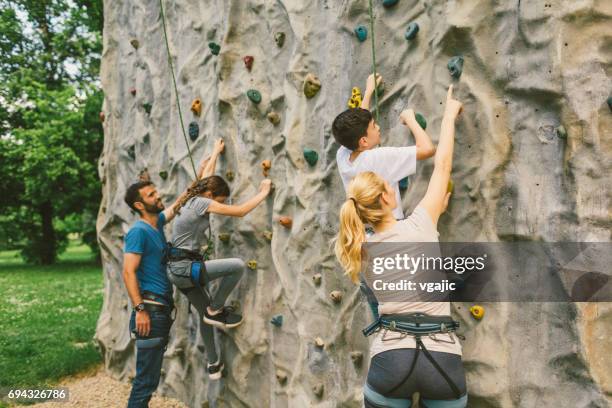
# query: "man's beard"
[[153, 209]]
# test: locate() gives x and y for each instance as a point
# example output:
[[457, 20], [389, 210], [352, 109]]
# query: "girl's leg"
[[230, 270], [198, 300]]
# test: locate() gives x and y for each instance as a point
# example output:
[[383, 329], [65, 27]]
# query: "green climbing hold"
[[403, 183], [277, 320], [214, 48], [389, 3], [361, 32], [311, 156], [146, 138], [610, 103], [132, 152], [561, 132], [163, 175], [135, 43], [311, 85], [224, 237], [455, 66], [411, 31], [380, 89], [194, 131], [254, 96], [147, 107], [280, 39], [421, 120]]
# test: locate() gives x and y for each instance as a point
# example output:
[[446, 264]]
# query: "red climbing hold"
[[133, 91], [102, 116], [248, 62]]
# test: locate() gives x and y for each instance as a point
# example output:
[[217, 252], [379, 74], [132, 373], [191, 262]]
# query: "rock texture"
[[529, 67]]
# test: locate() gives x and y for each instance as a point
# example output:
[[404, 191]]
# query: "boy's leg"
[[230, 270]]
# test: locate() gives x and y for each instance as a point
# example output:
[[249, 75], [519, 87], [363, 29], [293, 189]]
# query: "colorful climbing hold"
[[254, 96], [281, 377], [336, 296], [229, 175], [279, 38], [610, 102], [357, 357], [248, 62], [355, 100], [102, 116], [135, 43], [133, 91], [389, 3], [196, 106], [316, 279], [561, 132], [361, 32], [163, 174], [403, 183], [144, 175], [455, 66], [147, 107], [274, 118], [266, 165], [311, 156], [450, 188], [146, 138], [215, 48], [411, 31], [277, 320], [311, 85], [380, 89], [252, 264], [132, 152], [194, 131], [319, 342], [267, 235], [318, 389], [285, 221], [224, 237], [421, 120], [477, 311]]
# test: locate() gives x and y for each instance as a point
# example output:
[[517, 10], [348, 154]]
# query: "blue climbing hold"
[[403, 183], [411, 31], [254, 96], [277, 320], [390, 3], [194, 131], [361, 32], [455, 66], [311, 156]]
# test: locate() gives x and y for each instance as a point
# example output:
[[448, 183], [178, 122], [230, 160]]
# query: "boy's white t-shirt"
[[390, 163]]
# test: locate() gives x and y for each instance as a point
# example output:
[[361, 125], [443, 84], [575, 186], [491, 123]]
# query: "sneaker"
[[215, 370], [225, 319]]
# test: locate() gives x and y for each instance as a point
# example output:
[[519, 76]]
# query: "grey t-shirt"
[[190, 229]]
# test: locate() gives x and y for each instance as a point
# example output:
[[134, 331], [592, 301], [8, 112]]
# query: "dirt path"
[[96, 389]]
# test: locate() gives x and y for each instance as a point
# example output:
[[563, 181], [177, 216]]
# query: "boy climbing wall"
[[359, 135]]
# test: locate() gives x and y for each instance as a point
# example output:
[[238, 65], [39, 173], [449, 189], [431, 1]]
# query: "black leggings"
[[389, 368]]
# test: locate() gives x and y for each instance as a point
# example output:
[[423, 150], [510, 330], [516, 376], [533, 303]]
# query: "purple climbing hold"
[[361, 32], [411, 31]]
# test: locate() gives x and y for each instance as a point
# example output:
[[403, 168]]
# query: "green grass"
[[48, 317]]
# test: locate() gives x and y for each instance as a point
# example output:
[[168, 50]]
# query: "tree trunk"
[[47, 248]]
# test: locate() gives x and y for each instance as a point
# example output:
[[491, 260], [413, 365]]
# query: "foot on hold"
[[215, 370], [224, 318]]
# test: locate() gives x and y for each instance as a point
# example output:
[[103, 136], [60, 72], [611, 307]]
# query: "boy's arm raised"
[[424, 145], [436, 197], [369, 90]]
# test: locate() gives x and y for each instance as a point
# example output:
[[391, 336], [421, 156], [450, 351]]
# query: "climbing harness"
[[417, 325], [178, 102], [373, 59]]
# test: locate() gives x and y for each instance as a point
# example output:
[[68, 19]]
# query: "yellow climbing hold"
[[355, 100], [252, 264], [477, 311], [451, 186]]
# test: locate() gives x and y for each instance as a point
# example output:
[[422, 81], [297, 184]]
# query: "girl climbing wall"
[[187, 268], [397, 369]]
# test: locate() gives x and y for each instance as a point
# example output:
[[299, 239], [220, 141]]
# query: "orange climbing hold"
[[266, 165], [196, 106], [285, 221]]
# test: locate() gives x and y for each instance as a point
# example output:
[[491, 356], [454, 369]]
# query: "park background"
[[532, 162]]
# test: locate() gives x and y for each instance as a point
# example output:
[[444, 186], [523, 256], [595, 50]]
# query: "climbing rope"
[[373, 60], [178, 103]]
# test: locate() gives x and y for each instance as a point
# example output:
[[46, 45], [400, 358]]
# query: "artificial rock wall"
[[530, 67]]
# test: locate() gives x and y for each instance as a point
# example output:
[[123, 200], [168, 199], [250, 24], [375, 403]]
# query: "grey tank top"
[[190, 228]]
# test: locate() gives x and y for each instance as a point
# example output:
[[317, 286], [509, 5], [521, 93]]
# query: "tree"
[[50, 134]]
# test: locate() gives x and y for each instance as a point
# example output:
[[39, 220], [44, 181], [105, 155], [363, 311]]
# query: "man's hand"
[[370, 83], [143, 323], [407, 117], [265, 186], [453, 107]]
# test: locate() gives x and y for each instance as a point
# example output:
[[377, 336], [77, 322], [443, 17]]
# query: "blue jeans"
[[149, 356]]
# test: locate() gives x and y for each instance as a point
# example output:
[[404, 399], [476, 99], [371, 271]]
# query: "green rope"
[[178, 102], [373, 60]]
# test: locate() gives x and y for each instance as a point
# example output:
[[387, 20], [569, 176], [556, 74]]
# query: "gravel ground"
[[96, 389]]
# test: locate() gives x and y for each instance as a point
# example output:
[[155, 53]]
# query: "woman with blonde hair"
[[408, 361]]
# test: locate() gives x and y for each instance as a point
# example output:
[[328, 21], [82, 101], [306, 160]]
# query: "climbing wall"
[[533, 160]]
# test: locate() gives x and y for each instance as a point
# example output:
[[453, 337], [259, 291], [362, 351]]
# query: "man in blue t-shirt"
[[144, 274]]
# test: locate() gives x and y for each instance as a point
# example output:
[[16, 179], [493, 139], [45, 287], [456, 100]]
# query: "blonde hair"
[[363, 206]]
